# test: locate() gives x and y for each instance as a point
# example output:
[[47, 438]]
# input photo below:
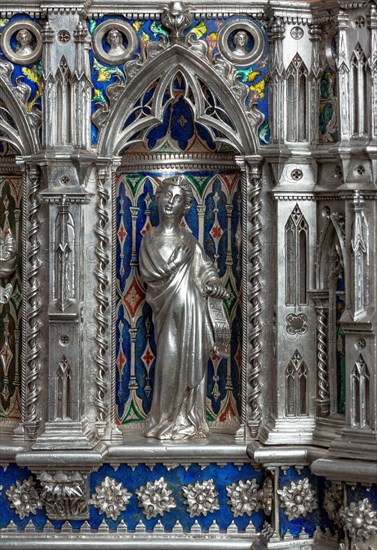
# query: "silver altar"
[[307, 422]]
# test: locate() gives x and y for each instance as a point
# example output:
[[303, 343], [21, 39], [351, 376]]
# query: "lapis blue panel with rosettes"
[[175, 478], [312, 519], [134, 478]]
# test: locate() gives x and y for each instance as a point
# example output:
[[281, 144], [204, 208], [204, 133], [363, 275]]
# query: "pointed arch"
[[296, 100], [296, 261], [331, 251], [241, 135], [22, 134]]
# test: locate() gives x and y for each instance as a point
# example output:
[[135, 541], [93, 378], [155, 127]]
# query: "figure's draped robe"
[[184, 337]]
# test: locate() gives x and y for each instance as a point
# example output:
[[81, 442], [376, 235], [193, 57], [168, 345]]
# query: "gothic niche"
[[297, 90], [296, 246], [360, 394], [330, 278], [10, 297], [201, 153], [296, 375], [359, 83]]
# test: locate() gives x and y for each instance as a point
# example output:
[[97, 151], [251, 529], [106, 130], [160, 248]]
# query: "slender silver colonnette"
[[188, 290]]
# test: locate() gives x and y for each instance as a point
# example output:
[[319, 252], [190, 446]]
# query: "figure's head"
[[240, 39], [24, 37], [114, 37], [179, 181]]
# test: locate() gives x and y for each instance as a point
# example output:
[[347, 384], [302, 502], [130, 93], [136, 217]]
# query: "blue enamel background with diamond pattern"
[[215, 220]]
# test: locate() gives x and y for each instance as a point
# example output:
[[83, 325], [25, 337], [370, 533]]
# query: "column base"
[[288, 431], [327, 429], [355, 444], [65, 435]]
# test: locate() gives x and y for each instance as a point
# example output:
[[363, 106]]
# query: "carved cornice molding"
[[31, 7], [321, 196], [348, 5], [291, 13], [9, 166], [66, 6], [339, 469], [154, 8], [36, 8], [176, 161]]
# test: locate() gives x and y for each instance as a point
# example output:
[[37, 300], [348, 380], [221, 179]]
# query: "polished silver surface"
[[308, 232], [28, 42], [179, 276], [115, 32], [241, 42]]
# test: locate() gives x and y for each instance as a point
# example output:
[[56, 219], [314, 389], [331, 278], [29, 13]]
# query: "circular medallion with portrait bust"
[[241, 42], [21, 42], [114, 41]]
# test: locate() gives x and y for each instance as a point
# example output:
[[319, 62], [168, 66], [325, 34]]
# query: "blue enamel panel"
[[312, 519], [27, 74], [175, 479], [207, 29], [8, 478], [218, 195]]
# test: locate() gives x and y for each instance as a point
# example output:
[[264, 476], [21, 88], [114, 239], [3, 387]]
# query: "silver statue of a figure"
[[179, 279]]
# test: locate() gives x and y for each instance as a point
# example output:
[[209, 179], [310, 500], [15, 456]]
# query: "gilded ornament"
[[298, 498], [155, 498], [111, 498], [201, 498]]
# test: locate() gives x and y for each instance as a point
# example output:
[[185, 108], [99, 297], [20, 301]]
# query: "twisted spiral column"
[[321, 304], [116, 433], [244, 366], [101, 313], [255, 327], [322, 361], [251, 307], [33, 324]]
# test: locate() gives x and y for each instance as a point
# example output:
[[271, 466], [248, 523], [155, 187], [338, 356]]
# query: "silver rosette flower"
[[111, 498], [298, 498], [333, 502], [201, 498], [360, 520], [243, 497], [155, 498], [24, 498]]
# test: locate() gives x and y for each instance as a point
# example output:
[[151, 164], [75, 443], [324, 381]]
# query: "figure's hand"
[[216, 291], [181, 254]]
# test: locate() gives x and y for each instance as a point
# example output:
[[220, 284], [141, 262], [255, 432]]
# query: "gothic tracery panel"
[[296, 376], [296, 240]]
